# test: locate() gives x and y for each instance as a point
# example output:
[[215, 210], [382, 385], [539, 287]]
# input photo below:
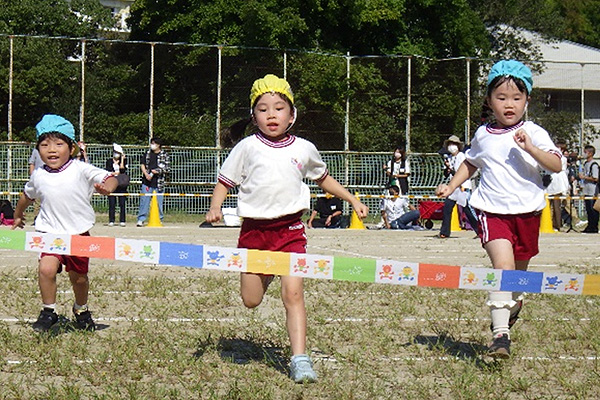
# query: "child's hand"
[[18, 222], [101, 188], [523, 140], [443, 190], [361, 210], [214, 215]]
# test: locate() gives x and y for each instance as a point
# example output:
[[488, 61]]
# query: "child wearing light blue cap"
[[509, 153], [64, 187]]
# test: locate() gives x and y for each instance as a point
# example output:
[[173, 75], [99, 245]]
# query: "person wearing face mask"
[[398, 170], [155, 166], [117, 165], [452, 161]]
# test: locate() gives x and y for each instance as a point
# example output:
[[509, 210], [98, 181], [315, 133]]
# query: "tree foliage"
[[118, 75]]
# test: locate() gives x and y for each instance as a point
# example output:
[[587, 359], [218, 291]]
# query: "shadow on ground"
[[473, 352], [243, 351]]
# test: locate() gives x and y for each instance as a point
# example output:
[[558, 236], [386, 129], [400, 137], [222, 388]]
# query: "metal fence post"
[[151, 109], [82, 104], [218, 116], [408, 105]]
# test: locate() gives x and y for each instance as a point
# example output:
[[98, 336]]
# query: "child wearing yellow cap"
[[269, 167], [510, 197]]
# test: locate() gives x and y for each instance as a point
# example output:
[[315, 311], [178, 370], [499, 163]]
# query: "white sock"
[[50, 306], [499, 303], [79, 309]]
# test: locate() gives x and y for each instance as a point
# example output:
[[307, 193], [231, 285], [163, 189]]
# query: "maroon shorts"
[[521, 230], [281, 234], [71, 263]]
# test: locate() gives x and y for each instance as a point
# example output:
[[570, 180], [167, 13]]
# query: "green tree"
[[45, 80]]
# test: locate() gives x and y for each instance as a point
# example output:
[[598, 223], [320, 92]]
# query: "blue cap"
[[513, 68], [55, 123]]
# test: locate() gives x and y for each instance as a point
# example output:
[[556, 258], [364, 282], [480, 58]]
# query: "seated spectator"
[[398, 213], [329, 209]]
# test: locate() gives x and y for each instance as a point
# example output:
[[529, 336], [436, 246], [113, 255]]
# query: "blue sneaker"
[[301, 369]]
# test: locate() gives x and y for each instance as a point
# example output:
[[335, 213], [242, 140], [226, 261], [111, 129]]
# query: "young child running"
[[269, 168], [64, 187], [510, 196]]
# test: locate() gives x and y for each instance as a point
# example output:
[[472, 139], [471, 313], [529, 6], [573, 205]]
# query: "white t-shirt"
[[270, 175], [396, 167], [65, 195], [560, 181], [394, 208], [590, 168], [510, 180], [458, 195]]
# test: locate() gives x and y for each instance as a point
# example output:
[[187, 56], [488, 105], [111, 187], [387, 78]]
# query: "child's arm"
[[108, 186], [548, 161], [464, 172], [215, 214], [330, 185], [19, 215]]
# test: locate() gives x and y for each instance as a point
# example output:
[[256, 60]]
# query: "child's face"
[[508, 104], [273, 115], [54, 152]]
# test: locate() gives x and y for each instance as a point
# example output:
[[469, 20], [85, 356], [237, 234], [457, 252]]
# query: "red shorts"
[[281, 234], [521, 230], [71, 263]]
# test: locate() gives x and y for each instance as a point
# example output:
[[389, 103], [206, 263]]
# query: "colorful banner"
[[303, 265]]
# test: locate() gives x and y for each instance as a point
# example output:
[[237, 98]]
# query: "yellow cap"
[[270, 84]]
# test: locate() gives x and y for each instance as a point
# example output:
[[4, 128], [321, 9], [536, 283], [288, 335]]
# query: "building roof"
[[568, 65]]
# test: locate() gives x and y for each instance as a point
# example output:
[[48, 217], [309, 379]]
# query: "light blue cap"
[[513, 68], [55, 123]]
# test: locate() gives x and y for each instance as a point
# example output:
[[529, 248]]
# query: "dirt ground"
[[366, 326]]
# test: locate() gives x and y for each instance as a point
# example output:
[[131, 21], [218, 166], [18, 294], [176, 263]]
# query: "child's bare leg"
[[292, 294], [81, 285], [253, 288], [501, 254], [47, 271]]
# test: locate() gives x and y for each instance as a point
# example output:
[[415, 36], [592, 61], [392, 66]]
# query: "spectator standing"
[[589, 187], [559, 186], [398, 170], [155, 166], [82, 155], [461, 194], [117, 166]]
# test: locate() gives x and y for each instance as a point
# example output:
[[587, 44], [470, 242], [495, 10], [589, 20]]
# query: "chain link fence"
[[194, 171]]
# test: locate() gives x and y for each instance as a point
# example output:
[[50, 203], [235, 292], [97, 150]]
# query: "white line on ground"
[[331, 359], [327, 320]]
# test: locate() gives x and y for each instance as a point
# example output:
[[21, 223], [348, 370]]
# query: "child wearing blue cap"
[[270, 167], [64, 187], [509, 153]]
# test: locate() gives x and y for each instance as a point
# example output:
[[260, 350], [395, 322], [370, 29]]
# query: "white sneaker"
[[122, 224], [301, 369], [580, 224], [139, 223], [111, 224]]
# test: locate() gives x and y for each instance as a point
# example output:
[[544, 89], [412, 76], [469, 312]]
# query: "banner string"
[[303, 265]]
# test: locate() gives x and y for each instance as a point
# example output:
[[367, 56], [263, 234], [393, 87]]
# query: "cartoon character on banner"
[[301, 266], [386, 272], [552, 282]]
